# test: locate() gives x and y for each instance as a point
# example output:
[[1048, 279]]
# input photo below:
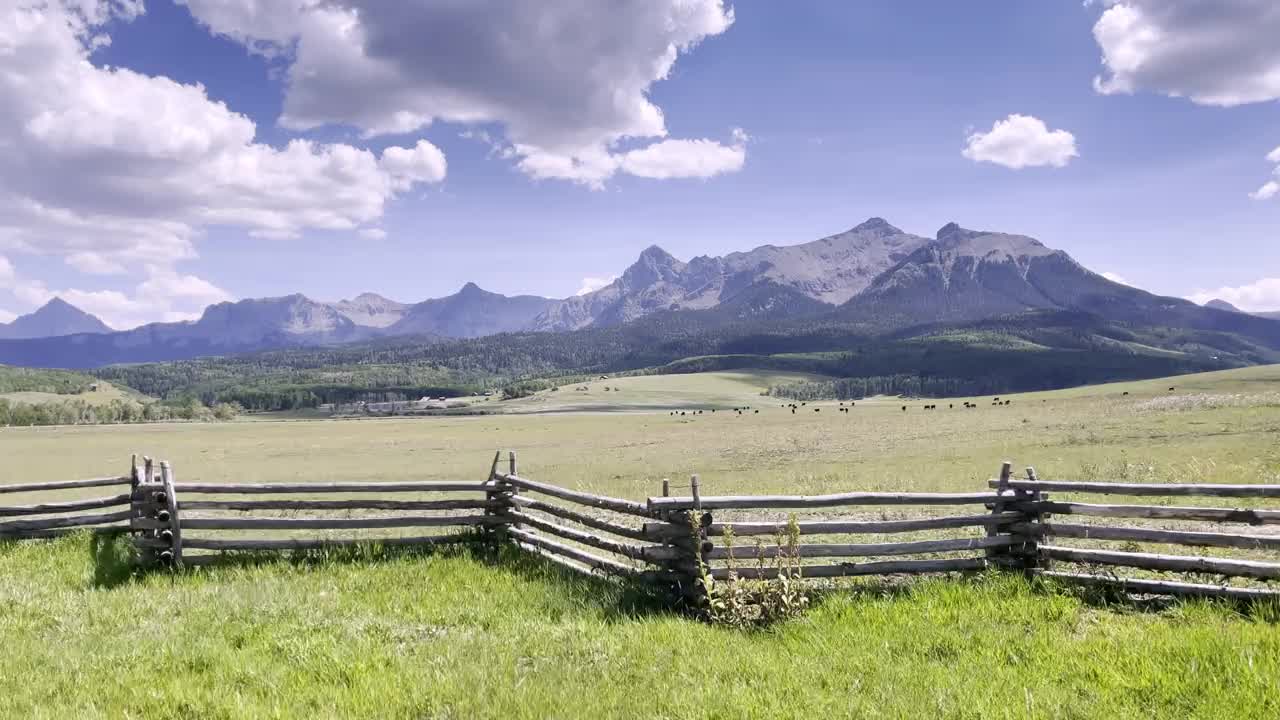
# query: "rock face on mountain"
[[289, 319], [371, 310], [830, 270], [1218, 304], [874, 276], [56, 318], [970, 275], [470, 312]]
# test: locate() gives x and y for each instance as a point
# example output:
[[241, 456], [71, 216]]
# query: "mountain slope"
[[968, 275], [55, 319], [229, 327], [830, 270], [470, 312], [370, 310]]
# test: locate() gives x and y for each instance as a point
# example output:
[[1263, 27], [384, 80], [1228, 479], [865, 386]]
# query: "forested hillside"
[[1040, 350]]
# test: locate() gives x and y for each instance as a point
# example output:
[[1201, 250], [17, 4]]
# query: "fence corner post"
[[497, 495], [174, 533], [1000, 554], [1033, 526]]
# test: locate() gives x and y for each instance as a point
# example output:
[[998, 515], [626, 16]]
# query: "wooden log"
[[564, 562], [109, 529], [633, 533], [370, 487], [63, 485], [865, 549], [888, 567], [1157, 512], [529, 537], [582, 498], [171, 503], [1162, 587], [650, 553], [45, 508], [837, 527], [1169, 537], [223, 523], [762, 502], [220, 544], [1003, 495], [357, 504], [22, 526], [1171, 563], [1150, 489]]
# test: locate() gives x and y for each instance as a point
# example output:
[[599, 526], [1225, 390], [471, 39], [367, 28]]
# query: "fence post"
[[1034, 521], [145, 503], [696, 546], [174, 534], [497, 497], [1000, 505]]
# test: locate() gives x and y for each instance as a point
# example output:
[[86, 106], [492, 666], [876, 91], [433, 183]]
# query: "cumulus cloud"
[[373, 233], [111, 168], [1021, 141], [163, 295], [684, 159], [565, 80], [92, 263], [592, 284], [1214, 53], [1263, 295], [1271, 188]]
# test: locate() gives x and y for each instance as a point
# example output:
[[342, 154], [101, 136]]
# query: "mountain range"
[[56, 318], [874, 277]]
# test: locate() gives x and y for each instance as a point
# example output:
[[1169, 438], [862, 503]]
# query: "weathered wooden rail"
[[686, 542], [1103, 566]]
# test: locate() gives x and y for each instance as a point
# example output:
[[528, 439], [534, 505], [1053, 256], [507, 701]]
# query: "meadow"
[[454, 634]]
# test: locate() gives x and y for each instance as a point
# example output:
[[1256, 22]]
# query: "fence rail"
[[677, 541]]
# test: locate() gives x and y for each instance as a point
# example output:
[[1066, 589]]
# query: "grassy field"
[[105, 393], [454, 635]]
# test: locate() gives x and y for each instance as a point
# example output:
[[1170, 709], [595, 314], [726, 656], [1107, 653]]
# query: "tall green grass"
[[462, 635]]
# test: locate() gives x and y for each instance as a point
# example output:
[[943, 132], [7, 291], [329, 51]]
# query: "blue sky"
[[437, 155]]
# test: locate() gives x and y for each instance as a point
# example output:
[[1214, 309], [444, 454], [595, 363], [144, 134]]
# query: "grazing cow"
[[817, 409], [951, 406], [793, 411], [1170, 389], [755, 412], [1126, 392], [904, 408]]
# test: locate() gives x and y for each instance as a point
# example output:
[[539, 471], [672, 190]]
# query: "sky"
[[160, 156]]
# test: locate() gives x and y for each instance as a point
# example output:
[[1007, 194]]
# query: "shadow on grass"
[[113, 561], [616, 598]]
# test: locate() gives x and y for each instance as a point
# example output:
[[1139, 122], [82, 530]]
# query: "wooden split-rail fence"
[[681, 541]]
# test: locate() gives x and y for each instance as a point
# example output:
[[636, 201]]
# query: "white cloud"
[[1220, 53], [92, 263], [565, 80], [7, 273], [373, 233], [1258, 296], [1116, 278], [684, 159], [111, 168], [1271, 188], [163, 295], [592, 284], [1021, 141], [7, 317]]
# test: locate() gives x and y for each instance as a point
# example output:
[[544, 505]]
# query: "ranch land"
[[454, 633]]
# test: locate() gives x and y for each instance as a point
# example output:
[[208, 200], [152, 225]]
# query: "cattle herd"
[[793, 407]]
